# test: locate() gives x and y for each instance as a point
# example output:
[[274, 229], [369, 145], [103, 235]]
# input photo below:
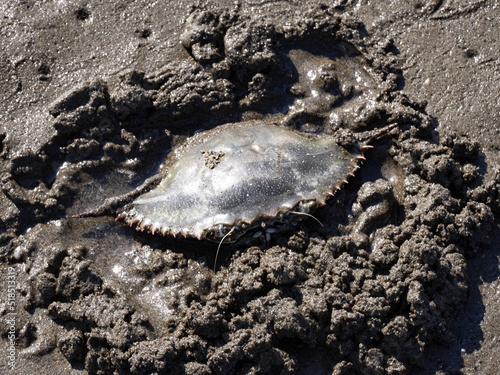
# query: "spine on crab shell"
[[130, 219], [141, 225], [363, 148], [361, 157]]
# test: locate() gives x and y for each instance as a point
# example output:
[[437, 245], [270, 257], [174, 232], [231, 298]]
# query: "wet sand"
[[74, 105]]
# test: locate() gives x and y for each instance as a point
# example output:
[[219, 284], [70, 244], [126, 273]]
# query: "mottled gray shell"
[[242, 177]]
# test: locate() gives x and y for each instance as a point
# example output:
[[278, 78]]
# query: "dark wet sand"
[[448, 53]]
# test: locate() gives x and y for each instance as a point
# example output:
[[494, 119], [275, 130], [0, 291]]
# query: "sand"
[[402, 278]]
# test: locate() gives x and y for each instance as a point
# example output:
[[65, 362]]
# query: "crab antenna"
[[220, 244], [306, 214]]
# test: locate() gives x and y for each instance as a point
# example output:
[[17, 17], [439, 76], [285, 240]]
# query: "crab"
[[239, 183]]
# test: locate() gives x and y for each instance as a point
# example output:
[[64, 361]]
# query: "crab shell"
[[243, 181]]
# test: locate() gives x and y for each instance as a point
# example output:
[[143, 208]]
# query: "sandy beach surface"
[[401, 277]]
